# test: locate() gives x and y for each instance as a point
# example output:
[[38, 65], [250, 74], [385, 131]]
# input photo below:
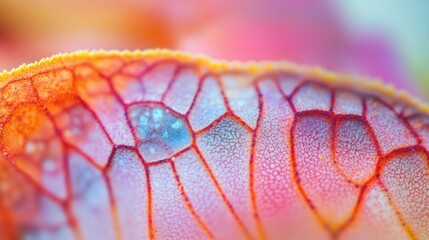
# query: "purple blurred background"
[[387, 39]]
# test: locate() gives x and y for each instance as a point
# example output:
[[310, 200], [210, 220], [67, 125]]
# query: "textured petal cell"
[[167, 145]]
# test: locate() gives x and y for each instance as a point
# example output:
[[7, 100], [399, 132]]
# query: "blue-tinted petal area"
[[160, 131]]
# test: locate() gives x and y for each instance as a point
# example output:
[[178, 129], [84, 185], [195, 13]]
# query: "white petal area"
[[155, 82], [182, 91], [209, 105], [311, 96], [281, 208], [288, 83], [242, 97], [347, 103]]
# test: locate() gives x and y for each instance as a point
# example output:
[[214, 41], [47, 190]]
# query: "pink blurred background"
[[385, 39]]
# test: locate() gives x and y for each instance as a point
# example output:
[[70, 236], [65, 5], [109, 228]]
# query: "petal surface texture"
[[168, 145]]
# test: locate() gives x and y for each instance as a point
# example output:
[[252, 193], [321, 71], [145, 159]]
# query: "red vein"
[[68, 203], [297, 178], [171, 82], [260, 228], [113, 207], [221, 193], [404, 225], [188, 203], [149, 196], [168, 159], [380, 164], [223, 94], [333, 146], [112, 200], [197, 93]]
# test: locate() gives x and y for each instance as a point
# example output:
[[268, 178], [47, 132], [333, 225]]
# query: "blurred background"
[[387, 39]]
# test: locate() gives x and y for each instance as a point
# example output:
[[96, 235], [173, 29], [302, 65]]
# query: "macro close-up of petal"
[[162, 144]]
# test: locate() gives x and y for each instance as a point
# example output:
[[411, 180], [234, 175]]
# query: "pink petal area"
[[406, 180], [76, 122], [226, 149], [112, 115], [421, 125], [274, 35], [355, 151], [389, 128], [281, 209], [96, 92], [256, 151], [208, 204], [326, 192], [376, 219], [172, 219]]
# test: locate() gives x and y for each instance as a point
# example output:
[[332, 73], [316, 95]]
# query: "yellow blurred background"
[[387, 39]]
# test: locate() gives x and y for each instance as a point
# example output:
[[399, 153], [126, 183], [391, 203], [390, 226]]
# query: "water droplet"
[[157, 114], [177, 124], [163, 134], [143, 120]]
